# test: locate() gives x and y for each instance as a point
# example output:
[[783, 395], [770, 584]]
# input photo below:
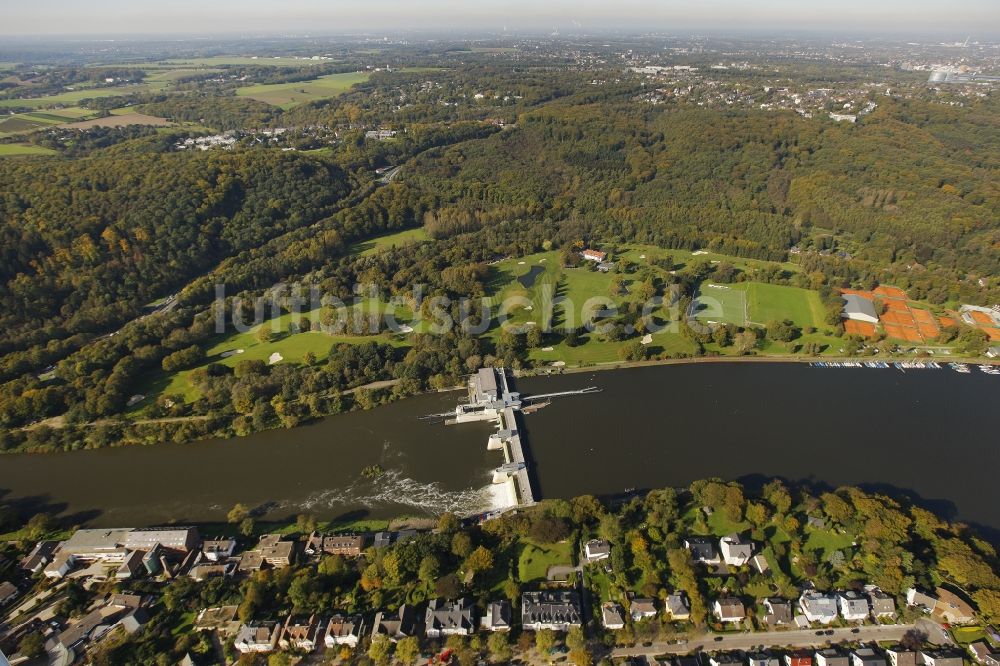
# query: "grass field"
[[288, 95], [275, 61], [396, 239], [121, 120], [18, 149], [827, 541], [70, 97], [292, 347], [535, 559], [720, 304], [769, 302]]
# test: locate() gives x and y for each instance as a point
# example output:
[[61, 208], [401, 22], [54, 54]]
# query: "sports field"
[[288, 95], [769, 302], [722, 304]]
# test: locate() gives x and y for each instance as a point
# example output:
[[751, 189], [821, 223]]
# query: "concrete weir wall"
[[511, 482]]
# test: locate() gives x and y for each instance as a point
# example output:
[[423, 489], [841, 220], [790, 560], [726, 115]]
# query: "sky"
[[956, 18]]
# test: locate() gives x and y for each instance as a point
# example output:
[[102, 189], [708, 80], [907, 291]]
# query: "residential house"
[[348, 545], [914, 597], [729, 609], [689, 660], [831, 657], [612, 615], [641, 609], [216, 550], [799, 658], [778, 612], [445, 618], [273, 551], [944, 604], [940, 658], [952, 608], [865, 656], [702, 550], [759, 562], [498, 616], [900, 656], [132, 566], [396, 625], [300, 634], [882, 604], [597, 549], [677, 607], [725, 659], [205, 570], [344, 630], [818, 607], [735, 550], [852, 606], [8, 592], [762, 659], [550, 609], [594, 255], [984, 654], [258, 637], [39, 556], [224, 619], [60, 566]]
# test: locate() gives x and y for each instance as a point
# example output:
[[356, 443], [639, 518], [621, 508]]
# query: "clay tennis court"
[[863, 328]]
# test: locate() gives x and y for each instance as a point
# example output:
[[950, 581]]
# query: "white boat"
[[990, 369], [960, 367]]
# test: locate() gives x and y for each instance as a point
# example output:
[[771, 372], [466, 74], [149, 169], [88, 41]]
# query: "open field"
[[274, 61], [291, 346], [34, 120], [70, 97], [288, 95], [121, 120], [17, 149], [387, 241], [720, 304], [769, 302]]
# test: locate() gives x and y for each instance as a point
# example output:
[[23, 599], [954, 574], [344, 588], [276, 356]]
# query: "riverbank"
[[649, 427]]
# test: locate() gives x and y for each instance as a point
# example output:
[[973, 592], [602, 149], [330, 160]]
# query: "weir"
[[491, 398]]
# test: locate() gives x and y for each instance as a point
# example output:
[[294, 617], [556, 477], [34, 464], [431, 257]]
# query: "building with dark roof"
[[550, 609]]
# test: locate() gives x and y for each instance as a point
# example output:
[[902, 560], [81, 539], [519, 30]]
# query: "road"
[[793, 638]]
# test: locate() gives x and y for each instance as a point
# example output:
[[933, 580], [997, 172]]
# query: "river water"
[[929, 433]]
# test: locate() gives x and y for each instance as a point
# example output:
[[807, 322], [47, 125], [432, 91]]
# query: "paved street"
[[794, 638]]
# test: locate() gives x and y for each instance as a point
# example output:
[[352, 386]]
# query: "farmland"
[[288, 95], [16, 149]]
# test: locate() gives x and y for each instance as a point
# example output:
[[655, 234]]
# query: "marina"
[[962, 368]]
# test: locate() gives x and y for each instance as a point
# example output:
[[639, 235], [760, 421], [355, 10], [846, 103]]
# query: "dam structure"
[[491, 398]]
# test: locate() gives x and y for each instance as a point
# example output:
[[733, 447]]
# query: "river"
[[929, 433]]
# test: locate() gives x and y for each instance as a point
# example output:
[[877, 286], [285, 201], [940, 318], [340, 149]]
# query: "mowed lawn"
[[769, 302], [389, 241], [535, 559], [720, 304], [288, 95], [292, 346]]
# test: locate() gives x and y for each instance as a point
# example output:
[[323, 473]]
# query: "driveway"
[[794, 638]]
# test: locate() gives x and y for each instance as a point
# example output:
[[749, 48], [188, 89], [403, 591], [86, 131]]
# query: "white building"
[[735, 551], [343, 631], [859, 308], [852, 606], [818, 607], [729, 610], [258, 637]]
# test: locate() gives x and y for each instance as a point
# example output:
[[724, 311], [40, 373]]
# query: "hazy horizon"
[[979, 19]]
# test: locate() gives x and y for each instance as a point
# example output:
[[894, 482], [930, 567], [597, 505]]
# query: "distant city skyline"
[[979, 19]]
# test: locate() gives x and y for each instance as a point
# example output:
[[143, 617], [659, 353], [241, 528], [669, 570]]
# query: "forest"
[[110, 252]]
